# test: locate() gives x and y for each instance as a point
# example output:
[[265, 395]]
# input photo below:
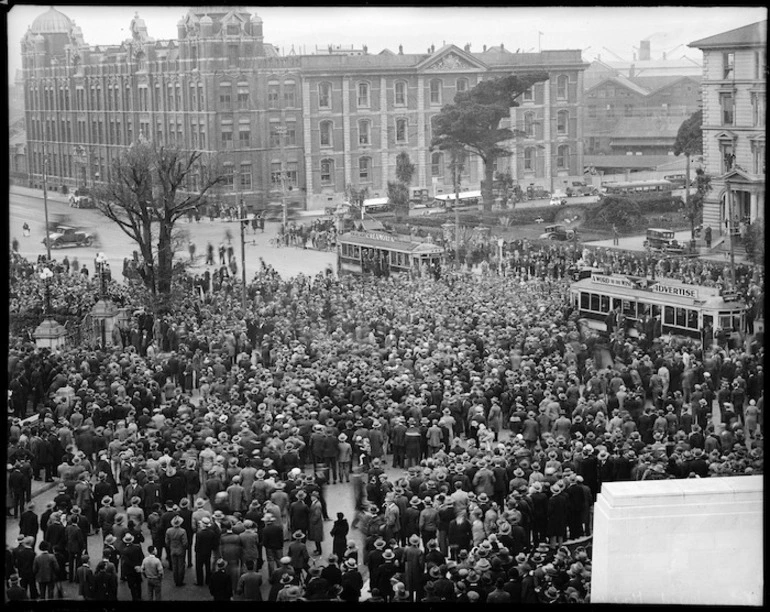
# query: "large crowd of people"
[[472, 416]]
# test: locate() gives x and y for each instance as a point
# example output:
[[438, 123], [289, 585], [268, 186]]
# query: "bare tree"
[[149, 189]]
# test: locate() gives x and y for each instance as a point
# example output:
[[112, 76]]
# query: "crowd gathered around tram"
[[473, 416]]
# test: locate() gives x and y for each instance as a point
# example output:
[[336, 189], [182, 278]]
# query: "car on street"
[[81, 198], [557, 232], [65, 236], [557, 200]]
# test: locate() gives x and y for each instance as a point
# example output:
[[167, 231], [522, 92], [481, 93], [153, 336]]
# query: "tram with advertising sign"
[[675, 307], [381, 254]]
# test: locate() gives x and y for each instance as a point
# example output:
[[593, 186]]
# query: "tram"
[[677, 308], [381, 254]]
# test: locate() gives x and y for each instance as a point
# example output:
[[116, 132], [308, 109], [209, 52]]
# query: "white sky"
[[593, 29]]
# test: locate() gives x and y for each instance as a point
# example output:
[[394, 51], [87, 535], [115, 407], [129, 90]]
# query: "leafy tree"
[[694, 209], [623, 213], [755, 241], [505, 187], [398, 190], [473, 122], [145, 196], [689, 142]]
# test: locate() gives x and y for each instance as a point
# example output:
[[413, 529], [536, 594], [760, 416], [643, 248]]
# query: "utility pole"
[[731, 229], [242, 223], [45, 200], [281, 131]]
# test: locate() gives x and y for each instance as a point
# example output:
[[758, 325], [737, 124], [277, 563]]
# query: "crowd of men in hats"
[[214, 460]]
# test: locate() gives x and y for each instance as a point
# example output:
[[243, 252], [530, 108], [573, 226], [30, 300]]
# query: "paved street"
[[27, 205]]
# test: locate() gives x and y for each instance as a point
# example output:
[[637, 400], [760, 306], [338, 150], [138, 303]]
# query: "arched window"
[[326, 133], [562, 122], [562, 89], [324, 95], [365, 169], [529, 124], [529, 158], [462, 85], [562, 156], [437, 164], [362, 97], [400, 93], [327, 171], [364, 132], [401, 131], [435, 91]]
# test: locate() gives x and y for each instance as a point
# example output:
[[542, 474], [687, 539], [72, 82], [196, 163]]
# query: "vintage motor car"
[[64, 236], [558, 232]]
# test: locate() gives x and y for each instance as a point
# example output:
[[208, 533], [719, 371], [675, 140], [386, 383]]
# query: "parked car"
[[65, 236], [81, 198], [557, 200], [578, 188], [558, 232], [659, 239]]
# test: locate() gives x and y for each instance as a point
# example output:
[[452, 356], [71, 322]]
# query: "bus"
[[682, 309], [661, 187], [466, 198], [380, 253]]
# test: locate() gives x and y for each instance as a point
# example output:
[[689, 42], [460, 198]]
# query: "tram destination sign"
[[611, 281], [688, 292]]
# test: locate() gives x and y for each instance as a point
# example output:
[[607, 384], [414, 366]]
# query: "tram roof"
[[391, 243]]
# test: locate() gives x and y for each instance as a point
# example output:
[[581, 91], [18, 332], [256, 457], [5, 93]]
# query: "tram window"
[[594, 302], [668, 315], [643, 309], [356, 251], [585, 300], [605, 303], [737, 321], [692, 319], [725, 322], [616, 302], [681, 317], [629, 308]]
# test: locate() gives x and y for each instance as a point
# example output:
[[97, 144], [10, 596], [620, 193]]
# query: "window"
[[727, 103], [610, 111], [272, 94], [628, 110], [326, 133], [363, 94], [529, 94], [324, 95], [227, 136], [244, 136], [437, 164], [291, 133], [327, 171], [275, 174], [435, 91], [529, 158], [728, 65], [562, 121], [400, 93], [401, 130], [562, 89], [758, 157], [275, 134], [726, 155], [193, 98], [289, 94], [461, 85], [760, 64], [245, 176], [233, 55], [364, 132], [292, 174], [758, 109], [228, 174], [592, 111], [178, 95], [529, 124], [562, 156], [243, 95], [224, 94], [200, 96], [365, 169], [193, 57]]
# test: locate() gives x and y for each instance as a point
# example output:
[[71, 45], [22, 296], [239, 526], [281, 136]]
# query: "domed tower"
[[47, 38]]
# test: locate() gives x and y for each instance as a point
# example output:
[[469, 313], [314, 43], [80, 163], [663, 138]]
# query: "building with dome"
[[316, 123]]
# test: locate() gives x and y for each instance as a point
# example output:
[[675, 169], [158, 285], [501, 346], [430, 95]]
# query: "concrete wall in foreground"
[[692, 541]]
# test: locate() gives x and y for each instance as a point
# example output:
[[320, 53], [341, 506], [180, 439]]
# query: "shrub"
[[624, 213]]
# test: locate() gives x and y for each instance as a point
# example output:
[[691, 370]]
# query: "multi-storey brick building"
[[734, 109], [319, 122]]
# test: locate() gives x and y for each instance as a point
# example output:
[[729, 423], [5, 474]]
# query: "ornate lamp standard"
[[49, 334], [46, 275], [104, 313]]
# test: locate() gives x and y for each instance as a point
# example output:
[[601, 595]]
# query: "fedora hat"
[[350, 563], [128, 538], [298, 535], [221, 563], [388, 555], [177, 521]]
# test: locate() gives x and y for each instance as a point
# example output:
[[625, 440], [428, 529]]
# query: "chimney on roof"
[[485, 47], [467, 47], [631, 71], [432, 48], [502, 47], [644, 51], [365, 49], [400, 49], [664, 55]]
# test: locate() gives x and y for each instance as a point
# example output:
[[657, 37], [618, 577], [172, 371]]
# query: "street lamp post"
[[281, 131], [500, 243], [101, 261], [45, 202], [46, 275], [242, 221], [730, 230]]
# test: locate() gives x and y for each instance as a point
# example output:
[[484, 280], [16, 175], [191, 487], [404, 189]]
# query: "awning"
[[376, 202], [464, 195]]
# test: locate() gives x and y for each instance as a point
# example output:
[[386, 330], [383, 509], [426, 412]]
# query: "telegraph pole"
[[731, 229], [45, 200], [281, 131], [242, 222]]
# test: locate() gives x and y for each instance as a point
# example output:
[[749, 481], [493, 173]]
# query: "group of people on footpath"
[[470, 416]]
